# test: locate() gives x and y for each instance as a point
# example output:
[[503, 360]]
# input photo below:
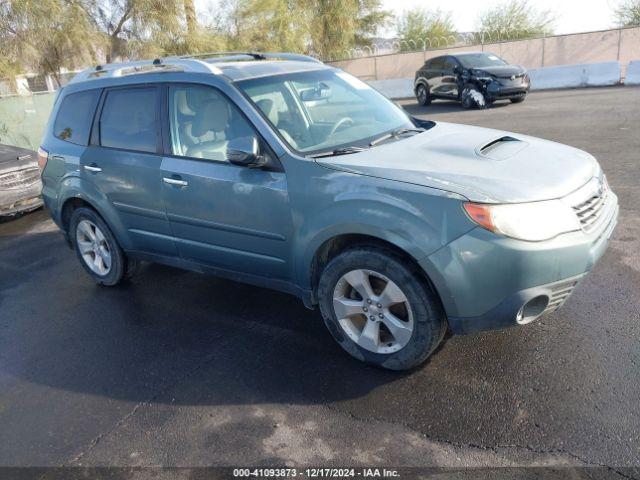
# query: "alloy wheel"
[[422, 94], [373, 311], [93, 247]]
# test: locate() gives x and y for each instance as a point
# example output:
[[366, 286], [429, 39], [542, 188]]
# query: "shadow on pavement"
[[220, 341], [443, 106]]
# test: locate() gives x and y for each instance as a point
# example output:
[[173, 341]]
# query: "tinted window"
[[437, 63], [449, 63], [129, 119], [203, 121], [73, 122]]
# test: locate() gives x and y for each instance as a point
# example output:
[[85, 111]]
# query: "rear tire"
[[397, 321], [422, 95], [97, 249]]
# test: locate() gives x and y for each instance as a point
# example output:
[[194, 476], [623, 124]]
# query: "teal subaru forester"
[[283, 172]]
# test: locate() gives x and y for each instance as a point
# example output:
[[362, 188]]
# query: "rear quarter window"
[[73, 122]]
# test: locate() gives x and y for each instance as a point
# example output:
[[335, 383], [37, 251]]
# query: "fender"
[[418, 81], [368, 213], [76, 187]]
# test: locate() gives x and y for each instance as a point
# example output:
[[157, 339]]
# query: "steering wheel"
[[339, 124]]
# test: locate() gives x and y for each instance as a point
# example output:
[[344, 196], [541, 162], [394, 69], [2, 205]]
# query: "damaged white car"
[[20, 184]]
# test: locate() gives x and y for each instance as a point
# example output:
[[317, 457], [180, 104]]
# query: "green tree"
[[627, 13], [137, 28], [45, 36], [276, 25], [420, 28], [514, 20], [338, 25], [325, 27]]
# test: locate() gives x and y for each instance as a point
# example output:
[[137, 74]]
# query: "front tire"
[[96, 248], [379, 309], [471, 97]]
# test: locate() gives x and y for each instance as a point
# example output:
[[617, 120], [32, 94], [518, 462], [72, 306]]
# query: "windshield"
[[324, 110], [481, 60]]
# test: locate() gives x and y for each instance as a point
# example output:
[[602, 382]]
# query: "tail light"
[[43, 156]]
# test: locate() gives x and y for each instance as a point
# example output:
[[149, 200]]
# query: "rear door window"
[[73, 121], [437, 63], [129, 119]]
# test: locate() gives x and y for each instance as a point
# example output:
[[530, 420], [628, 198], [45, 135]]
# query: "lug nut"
[[371, 317], [365, 309], [369, 301], [379, 305], [380, 315]]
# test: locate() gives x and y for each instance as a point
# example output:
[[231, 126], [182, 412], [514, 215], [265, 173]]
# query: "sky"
[[572, 15]]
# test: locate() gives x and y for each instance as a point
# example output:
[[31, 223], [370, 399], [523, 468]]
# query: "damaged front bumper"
[[19, 200]]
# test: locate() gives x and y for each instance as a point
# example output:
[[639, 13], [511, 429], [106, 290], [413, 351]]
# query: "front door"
[[222, 215], [123, 165], [449, 81]]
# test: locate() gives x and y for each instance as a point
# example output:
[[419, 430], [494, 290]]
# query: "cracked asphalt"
[[180, 369]]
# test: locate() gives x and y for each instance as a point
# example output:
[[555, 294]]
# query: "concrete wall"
[[621, 45]]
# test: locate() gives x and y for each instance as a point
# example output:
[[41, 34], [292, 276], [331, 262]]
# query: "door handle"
[[92, 168], [175, 181]]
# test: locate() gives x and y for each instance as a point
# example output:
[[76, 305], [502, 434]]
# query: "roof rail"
[[198, 63], [213, 57], [109, 70]]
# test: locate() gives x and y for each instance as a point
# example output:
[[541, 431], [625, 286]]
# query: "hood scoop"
[[502, 148]]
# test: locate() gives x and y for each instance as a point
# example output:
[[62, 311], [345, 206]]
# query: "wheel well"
[[336, 245], [418, 83], [69, 207]]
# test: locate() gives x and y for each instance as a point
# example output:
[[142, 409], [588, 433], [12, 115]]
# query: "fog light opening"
[[532, 309]]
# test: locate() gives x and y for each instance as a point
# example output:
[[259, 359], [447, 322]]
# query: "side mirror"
[[244, 151]]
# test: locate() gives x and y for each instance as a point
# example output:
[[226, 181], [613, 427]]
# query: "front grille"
[[559, 293], [590, 210], [508, 82], [20, 178]]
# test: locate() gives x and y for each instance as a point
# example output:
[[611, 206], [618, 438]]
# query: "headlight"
[[533, 222]]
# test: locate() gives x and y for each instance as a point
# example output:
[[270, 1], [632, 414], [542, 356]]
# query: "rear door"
[[435, 72], [222, 215], [123, 164]]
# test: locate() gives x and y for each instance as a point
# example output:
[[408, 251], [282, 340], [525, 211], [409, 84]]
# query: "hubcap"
[[93, 247], [373, 311]]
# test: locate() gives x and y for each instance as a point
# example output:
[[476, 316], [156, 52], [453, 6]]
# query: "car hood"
[[481, 164], [503, 71], [16, 157]]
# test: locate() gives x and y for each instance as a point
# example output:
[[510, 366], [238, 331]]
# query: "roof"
[[261, 68], [234, 65]]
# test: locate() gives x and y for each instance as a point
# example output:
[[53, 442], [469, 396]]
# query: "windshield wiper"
[[339, 151], [394, 134]]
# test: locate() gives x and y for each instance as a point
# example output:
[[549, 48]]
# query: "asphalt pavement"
[[180, 369]]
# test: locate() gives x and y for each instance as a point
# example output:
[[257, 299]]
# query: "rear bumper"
[[484, 280]]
